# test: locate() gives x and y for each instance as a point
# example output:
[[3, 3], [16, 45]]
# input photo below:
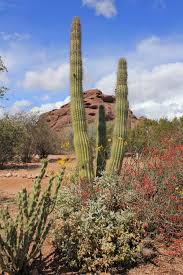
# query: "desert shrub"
[[157, 180], [27, 147], [21, 238], [92, 235], [22, 136], [66, 140], [12, 135], [150, 133], [38, 137], [45, 141]]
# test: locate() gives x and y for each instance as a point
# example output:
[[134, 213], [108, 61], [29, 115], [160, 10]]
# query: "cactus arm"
[[120, 127], [81, 141]]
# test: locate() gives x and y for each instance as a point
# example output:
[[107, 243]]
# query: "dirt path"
[[12, 180]]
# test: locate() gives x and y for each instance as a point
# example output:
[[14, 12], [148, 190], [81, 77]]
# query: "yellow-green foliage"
[[95, 234], [21, 238]]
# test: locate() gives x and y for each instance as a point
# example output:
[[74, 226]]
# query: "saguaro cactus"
[[101, 142], [121, 117], [81, 141]]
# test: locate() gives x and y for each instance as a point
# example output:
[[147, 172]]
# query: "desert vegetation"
[[111, 212], [23, 136]]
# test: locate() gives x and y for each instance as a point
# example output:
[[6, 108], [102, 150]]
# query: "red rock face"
[[60, 118]]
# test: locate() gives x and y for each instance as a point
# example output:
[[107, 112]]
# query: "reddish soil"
[[169, 261], [13, 179]]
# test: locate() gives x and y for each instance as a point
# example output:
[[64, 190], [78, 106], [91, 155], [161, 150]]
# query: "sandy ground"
[[13, 179]]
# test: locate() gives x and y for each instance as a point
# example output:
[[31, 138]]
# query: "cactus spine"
[[120, 126], [81, 141], [101, 142]]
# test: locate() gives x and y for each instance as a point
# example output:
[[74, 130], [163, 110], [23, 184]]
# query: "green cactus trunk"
[[81, 141], [101, 142], [120, 127]]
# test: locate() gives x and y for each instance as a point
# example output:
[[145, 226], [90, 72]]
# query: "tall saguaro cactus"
[[81, 141], [121, 117], [101, 142]]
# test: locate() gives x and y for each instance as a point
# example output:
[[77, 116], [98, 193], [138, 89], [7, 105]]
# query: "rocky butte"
[[59, 118]]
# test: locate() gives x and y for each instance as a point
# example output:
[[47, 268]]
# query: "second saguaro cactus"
[[81, 141], [121, 116], [101, 142]]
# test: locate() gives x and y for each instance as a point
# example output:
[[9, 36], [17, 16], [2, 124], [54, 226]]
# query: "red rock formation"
[[60, 118]]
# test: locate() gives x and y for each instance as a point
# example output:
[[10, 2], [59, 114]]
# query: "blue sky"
[[34, 44]]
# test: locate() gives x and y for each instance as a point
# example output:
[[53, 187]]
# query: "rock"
[[29, 176], [9, 175], [60, 118], [148, 253]]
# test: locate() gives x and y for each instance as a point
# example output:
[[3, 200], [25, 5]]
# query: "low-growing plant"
[[157, 180], [22, 237], [92, 235]]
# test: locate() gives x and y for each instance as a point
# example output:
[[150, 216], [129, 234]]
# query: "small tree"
[[12, 135], [45, 141], [28, 121]]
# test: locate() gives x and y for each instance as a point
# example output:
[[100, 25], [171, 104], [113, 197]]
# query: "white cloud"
[[157, 49], [14, 36], [49, 79], [107, 83], [105, 8], [153, 93], [169, 108], [20, 105], [49, 106], [45, 98]]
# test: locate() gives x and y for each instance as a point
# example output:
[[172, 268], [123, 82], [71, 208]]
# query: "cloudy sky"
[[34, 45]]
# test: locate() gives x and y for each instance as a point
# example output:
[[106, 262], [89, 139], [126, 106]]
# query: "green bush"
[[45, 141], [12, 135], [150, 133], [22, 136], [91, 234], [27, 146], [22, 237]]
